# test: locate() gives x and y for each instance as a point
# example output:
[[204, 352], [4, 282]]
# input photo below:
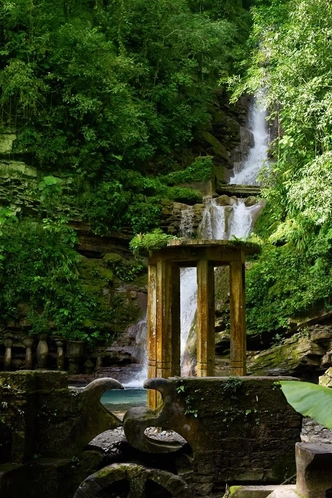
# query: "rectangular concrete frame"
[[164, 305]]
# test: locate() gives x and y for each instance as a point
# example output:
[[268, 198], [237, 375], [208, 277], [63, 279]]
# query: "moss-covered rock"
[[124, 269], [294, 356]]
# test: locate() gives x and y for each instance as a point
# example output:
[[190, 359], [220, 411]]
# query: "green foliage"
[[289, 280], [39, 275], [143, 215], [105, 206], [200, 170], [310, 400], [185, 195], [123, 269], [190, 409], [232, 385], [291, 58], [129, 82], [150, 241]]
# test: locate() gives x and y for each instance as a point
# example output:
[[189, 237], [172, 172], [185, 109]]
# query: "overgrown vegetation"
[[105, 96], [291, 59], [40, 281], [147, 242], [98, 85]]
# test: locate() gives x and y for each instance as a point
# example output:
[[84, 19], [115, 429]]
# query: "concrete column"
[[175, 321], [99, 362], [42, 351], [237, 316], [8, 342], [205, 319], [164, 320], [152, 332], [28, 342], [163, 323], [75, 354], [60, 355]]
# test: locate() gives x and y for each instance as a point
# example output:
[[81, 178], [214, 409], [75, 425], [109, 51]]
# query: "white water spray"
[[248, 172], [140, 353]]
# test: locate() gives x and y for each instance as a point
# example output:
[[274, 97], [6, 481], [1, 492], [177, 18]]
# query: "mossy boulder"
[[296, 355], [218, 148]]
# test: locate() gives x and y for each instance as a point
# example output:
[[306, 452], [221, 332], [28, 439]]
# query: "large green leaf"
[[310, 400]]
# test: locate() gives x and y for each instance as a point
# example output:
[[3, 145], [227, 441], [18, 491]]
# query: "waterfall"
[[223, 222], [186, 228], [248, 172], [140, 353], [218, 222]]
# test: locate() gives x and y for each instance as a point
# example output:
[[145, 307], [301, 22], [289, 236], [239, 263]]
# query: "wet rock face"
[[306, 354]]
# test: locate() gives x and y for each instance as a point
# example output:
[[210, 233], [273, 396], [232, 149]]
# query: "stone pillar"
[[99, 362], [152, 332], [28, 342], [313, 469], [60, 356], [205, 319], [237, 316], [152, 321], [42, 351], [164, 320], [74, 353], [163, 323], [8, 342]]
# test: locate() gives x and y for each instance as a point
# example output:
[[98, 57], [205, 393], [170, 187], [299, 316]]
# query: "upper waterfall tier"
[[247, 173]]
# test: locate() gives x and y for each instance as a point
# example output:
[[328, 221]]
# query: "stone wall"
[[44, 429], [237, 430]]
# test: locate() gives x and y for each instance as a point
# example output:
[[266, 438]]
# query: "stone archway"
[[136, 481]]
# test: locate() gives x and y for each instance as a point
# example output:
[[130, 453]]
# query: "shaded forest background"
[[108, 99]]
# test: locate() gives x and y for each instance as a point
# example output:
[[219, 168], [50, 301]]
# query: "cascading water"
[[218, 222], [250, 168], [140, 354], [223, 222], [186, 224]]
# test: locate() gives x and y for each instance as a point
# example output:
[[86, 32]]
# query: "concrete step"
[[284, 492], [272, 491]]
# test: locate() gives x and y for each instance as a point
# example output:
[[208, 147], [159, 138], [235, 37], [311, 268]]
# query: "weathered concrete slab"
[[238, 190], [284, 492], [313, 465], [271, 491]]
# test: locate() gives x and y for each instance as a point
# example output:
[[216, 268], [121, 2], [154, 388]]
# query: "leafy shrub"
[[122, 268], [39, 277], [150, 241], [143, 216], [105, 206], [185, 195], [200, 170]]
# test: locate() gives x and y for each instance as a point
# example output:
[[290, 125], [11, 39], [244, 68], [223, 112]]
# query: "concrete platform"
[[284, 492], [271, 491]]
